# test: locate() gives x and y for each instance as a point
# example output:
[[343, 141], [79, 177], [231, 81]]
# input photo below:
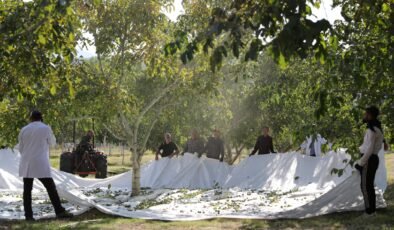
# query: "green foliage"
[[348, 64], [283, 26], [37, 47], [37, 41]]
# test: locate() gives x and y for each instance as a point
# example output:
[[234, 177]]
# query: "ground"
[[97, 220]]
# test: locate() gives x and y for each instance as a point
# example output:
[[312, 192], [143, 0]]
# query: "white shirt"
[[318, 142], [34, 142], [372, 144]]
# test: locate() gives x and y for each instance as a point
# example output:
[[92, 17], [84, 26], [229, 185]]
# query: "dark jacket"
[[85, 145], [215, 148], [194, 146], [166, 150], [263, 145]]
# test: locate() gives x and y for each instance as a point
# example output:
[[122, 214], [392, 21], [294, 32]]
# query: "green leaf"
[[334, 42], [20, 97], [308, 10], [41, 39], [340, 172], [334, 171], [385, 7], [71, 36], [53, 90], [281, 61], [322, 58], [71, 88]]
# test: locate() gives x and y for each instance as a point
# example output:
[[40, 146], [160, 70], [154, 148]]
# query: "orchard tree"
[[129, 36]]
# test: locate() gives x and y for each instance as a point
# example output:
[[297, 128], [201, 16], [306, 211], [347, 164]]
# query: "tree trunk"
[[105, 140], [122, 154], [136, 183], [229, 154], [237, 154]]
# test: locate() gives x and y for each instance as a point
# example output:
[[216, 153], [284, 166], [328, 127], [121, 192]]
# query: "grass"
[[97, 220]]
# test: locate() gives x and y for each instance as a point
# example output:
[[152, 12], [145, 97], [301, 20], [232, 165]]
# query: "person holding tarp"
[[195, 144], [215, 146], [167, 148], [264, 144], [313, 145], [34, 141], [368, 164]]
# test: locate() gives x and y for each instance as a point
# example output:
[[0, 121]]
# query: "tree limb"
[[113, 134], [150, 105], [238, 154], [125, 124]]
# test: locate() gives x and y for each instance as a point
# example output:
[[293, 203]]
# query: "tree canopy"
[[231, 65]]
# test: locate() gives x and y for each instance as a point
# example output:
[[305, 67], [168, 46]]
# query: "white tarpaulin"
[[288, 185]]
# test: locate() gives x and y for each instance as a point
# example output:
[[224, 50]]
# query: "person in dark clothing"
[[368, 164], [167, 148], [263, 144], [195, 144], [86, 144], [215, 146]]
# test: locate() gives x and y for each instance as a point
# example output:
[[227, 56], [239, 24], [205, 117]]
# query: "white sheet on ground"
[[270, 186]]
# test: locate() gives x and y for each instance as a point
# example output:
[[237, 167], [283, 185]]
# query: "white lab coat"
[[34, 142], [372, 144], [319, 141]]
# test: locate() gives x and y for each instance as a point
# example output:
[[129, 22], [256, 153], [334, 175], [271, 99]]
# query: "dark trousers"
[[367, 183], [50, 186]]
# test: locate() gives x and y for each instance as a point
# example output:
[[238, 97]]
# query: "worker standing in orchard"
[[34, 142]]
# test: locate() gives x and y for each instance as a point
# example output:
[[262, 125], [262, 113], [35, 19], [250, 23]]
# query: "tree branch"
[[150, 105], [148, 135], [125, 124], [238, 154], [113, 134]]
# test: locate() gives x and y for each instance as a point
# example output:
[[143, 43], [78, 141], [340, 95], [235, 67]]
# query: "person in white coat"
[[312, 145], [34, 142], [369, 161]]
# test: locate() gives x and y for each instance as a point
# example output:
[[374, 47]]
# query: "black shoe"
[[64, 215], [30, 219]]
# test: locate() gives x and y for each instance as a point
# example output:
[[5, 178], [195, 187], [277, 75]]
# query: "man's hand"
[[358, 167]]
